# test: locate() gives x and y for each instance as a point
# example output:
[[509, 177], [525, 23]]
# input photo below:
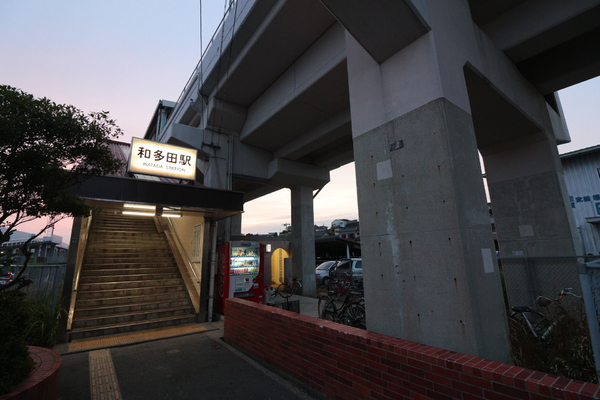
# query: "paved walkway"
[[187, 362]]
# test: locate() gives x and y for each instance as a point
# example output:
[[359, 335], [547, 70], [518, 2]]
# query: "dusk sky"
[[123, 56]]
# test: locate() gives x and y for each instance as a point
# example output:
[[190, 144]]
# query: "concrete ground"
[[187, 362]]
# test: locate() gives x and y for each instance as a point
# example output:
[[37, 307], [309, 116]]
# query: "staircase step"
[[128, 269], [128, 300], [81, 333], [133, 277], [107, 234], [131, 252], [82, 312], [116, 285], [131, 317], [124, 292], [125, 245], [134, 259]]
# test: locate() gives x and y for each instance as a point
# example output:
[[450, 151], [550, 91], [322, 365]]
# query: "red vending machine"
[[240, 273]]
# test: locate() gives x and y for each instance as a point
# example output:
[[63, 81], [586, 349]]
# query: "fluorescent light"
[[146, 214], [171, 215], [139, 206]]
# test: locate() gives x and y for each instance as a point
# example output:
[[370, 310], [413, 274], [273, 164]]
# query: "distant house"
[[321, 231], [582, 176], [346, 229]]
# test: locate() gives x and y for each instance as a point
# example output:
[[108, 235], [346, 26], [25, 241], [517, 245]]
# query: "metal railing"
[[83, 237], [192, 79], [589, 274], [186, 267]]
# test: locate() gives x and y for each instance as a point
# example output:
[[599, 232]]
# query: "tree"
[[46, 149]]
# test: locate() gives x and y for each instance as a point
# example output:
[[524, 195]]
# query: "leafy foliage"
[[43, 324], [16, 364], [46, 149]]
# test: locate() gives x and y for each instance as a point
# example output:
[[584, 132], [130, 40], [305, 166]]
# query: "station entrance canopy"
[[181, 196]]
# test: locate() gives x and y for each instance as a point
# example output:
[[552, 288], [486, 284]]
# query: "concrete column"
[[303, 238], [428, 253], [236, 225], [529, 198]]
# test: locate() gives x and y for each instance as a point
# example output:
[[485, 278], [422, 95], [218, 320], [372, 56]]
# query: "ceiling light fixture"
[[139, 206], [145, 214]]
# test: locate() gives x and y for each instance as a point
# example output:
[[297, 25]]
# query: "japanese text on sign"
[[161, 159]]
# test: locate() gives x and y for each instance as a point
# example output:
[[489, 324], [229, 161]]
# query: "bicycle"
[[536, 324], [351, 312], [287, 289]]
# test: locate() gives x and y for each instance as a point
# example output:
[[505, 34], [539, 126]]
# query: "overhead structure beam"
[[383, 27]]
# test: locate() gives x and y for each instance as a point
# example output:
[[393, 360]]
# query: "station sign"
[[159, 159]]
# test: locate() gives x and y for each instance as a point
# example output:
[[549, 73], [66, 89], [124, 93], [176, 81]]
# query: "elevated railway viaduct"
[[412, 91]]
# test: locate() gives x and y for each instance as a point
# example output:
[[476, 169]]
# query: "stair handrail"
[[183, 261], [81, 246], [181, 250]]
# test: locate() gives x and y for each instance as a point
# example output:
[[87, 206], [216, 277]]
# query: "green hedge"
[[15, 317]]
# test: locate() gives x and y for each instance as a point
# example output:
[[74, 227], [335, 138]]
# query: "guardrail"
[[83, 237], [186, 267], [193, 77]]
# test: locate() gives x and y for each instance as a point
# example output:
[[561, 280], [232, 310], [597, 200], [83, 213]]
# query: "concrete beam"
[[222, 115], [521, 36], [315, 138], [290, 173], [186, 135], [383, 27], [326, 54]]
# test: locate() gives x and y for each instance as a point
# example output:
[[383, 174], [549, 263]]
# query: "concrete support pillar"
[[428, 254], [524, 172], [529, 198], [303, 239], [236, 225]]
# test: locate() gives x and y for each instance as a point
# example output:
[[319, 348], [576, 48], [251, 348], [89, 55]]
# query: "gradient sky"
[[123, 56]]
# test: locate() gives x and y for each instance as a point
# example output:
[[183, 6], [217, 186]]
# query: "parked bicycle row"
[[343, 302]]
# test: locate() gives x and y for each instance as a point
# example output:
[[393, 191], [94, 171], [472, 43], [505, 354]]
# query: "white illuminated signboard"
[[152, 158]]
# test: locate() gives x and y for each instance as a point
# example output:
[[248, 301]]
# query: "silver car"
[[349, 268], [322, 272]]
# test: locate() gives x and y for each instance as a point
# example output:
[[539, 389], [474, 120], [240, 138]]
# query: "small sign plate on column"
[[397, 145]]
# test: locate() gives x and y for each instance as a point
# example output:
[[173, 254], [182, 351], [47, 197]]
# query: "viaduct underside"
[[412, 91]]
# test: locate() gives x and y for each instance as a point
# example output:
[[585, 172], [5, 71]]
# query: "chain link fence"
[[590, 272], [524, 279], [590, 281], [527, 278], [47, 280]]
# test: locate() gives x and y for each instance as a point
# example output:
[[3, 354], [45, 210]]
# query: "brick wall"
[[348, 363], [42, 383]]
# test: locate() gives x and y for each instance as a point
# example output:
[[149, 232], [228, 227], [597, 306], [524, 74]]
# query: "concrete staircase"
[[129, 280]]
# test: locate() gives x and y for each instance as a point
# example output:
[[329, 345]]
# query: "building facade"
[[582, 176], [47, 249]]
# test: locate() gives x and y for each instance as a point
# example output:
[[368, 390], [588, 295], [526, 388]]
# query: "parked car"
[[6, 278], [348, 268], [322, 272]]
